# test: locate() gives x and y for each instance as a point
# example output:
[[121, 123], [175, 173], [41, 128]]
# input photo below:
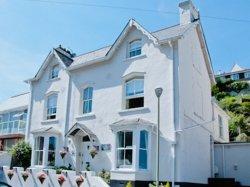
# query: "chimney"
[[188, 12]]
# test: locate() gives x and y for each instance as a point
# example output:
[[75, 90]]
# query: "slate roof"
[[64, 56], [171, 32], [161, 35], [93, 55]]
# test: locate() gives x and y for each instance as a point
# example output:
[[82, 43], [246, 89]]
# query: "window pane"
[[120, 136], [39, 141], [128, 139], [144, 139], [52, 143], [51, 158], [38, 157], [128, 157], [130, 88], [139, 86], [135, 102], [143, 159], [120, 158]]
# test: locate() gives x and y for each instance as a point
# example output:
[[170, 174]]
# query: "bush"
[[238, 86], [60, 168], [21, 154]]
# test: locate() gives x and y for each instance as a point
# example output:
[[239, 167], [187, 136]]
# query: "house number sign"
[[105, 147]]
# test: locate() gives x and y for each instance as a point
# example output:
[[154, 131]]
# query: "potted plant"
[[63, 153], [25, 175], [79, 180], [41, 176], [61, 179], [93, 152], [10, 173]]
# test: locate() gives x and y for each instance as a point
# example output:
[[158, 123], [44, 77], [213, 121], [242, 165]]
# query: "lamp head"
[[158, 92]]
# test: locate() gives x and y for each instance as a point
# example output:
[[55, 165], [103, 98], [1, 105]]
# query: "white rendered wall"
[[233, 161], [193, 146], [41, 89], [107, 81]]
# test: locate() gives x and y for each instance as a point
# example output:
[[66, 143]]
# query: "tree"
[[238, 86], [21, 154]]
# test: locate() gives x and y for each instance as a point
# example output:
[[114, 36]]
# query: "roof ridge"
[[164, 28]]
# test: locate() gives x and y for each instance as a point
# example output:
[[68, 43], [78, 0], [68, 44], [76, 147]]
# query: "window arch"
[[135, 48], [52, 106], [87, 100]]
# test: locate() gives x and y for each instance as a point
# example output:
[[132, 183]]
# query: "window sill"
[[49, 121], [128, 59], [54, 79], [85, 116], [140, 109]]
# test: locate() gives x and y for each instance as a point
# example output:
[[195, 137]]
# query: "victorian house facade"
[[100, 108]]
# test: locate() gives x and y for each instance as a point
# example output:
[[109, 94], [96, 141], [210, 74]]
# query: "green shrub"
[[21, 154]]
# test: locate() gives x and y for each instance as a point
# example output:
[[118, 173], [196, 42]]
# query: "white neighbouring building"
[[104, 102]]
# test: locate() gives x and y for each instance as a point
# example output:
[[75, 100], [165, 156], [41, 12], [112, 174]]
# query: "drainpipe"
[[28, 120]]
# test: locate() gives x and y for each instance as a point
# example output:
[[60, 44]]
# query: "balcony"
[[12, 127]]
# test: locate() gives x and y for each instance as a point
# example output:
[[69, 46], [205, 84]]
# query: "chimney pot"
[[188, 13]]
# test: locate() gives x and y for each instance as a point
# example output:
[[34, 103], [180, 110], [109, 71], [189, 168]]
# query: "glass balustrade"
[[13, 127]]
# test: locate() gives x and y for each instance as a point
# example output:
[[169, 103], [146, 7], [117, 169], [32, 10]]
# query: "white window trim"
[[36, 150], [136, 140], [46, 150], [127, 78], [45, 106]]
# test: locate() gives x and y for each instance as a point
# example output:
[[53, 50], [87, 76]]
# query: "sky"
[[29, 29]]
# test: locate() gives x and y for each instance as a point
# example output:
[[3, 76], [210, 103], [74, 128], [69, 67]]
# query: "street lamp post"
[[158, 92]]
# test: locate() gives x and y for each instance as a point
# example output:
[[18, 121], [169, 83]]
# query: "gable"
[[53, 56]]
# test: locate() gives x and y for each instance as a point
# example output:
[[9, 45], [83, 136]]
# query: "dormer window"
[[52, 106], [135, 48], [134, 93], [54, 72]]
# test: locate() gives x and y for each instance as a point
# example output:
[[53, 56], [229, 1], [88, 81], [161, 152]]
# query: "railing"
[[12, 127]]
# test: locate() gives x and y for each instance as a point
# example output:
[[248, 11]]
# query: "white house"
[[103, 102]]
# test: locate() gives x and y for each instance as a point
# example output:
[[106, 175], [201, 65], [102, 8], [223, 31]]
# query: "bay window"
[[124, 149], [132, 149], [87, 100], [134, 89], [45, 150], [52, 106], [134, 48], [38, 150]]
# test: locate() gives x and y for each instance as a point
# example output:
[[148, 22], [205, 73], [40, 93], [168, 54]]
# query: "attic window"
[[134, 48], [54, 72]]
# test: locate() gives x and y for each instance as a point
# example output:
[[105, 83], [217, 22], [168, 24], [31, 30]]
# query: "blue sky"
[[29, 30]]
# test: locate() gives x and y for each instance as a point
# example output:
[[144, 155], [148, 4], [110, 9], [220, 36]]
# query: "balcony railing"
[[13, 127]]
